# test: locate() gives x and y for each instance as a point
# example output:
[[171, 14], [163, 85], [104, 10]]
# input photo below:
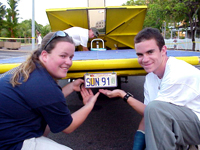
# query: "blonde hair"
[[24, 70]]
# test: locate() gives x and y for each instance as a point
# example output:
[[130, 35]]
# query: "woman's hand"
[[112, 94], [77, 85], [88, 96]]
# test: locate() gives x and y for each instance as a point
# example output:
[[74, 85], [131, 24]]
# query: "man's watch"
[[127, 96]]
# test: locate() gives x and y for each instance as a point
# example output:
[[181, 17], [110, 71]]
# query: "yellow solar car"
[[120, 23]]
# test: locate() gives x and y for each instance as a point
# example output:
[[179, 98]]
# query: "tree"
[[154, 17], [171, 11], [26, 32], [11, 28], [11, 18], [2, 15], [134, 2], [25, 29], [184, 10], [45, 29]]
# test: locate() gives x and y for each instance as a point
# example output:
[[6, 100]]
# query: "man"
[[80, 35], [171, 108], [175, 43], [39, 39]]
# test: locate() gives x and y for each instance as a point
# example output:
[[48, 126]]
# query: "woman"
[[31, 101]]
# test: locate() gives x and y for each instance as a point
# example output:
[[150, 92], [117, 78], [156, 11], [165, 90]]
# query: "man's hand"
[[85, 48], [114, 93]]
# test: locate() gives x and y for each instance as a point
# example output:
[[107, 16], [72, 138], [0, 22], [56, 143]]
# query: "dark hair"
[[148, 34]]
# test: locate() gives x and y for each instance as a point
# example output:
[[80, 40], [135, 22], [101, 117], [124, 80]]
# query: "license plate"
[[100, 80]]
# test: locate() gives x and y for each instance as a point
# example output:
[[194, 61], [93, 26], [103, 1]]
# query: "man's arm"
[[85, 48], [137, 105]]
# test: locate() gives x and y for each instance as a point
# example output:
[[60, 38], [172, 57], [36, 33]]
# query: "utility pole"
[[33, 25]]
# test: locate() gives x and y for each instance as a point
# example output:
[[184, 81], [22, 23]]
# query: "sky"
[[25, 7]]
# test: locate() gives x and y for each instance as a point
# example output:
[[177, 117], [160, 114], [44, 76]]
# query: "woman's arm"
[[89, 99], [73, 86]]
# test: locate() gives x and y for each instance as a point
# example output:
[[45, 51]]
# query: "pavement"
[[23, 48], [110, 126], [15, 55]]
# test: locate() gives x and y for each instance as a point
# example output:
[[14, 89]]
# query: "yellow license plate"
[[100, 80]]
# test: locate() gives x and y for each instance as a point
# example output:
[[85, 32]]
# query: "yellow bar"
[[193, 60], [6, 67], [118, 63], [112, 64], [104, 64]]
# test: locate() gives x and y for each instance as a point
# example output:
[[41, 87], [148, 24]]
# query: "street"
[[23, 51]]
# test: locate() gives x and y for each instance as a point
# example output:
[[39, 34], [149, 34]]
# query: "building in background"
[[100, 24], [97, 17]]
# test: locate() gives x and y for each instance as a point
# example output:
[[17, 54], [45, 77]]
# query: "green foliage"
[[2, 15], [12, 19], [186, 11], [154, 17], [134, 2], [45, 29], [25, 29], [171, 12], [11, 28]]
